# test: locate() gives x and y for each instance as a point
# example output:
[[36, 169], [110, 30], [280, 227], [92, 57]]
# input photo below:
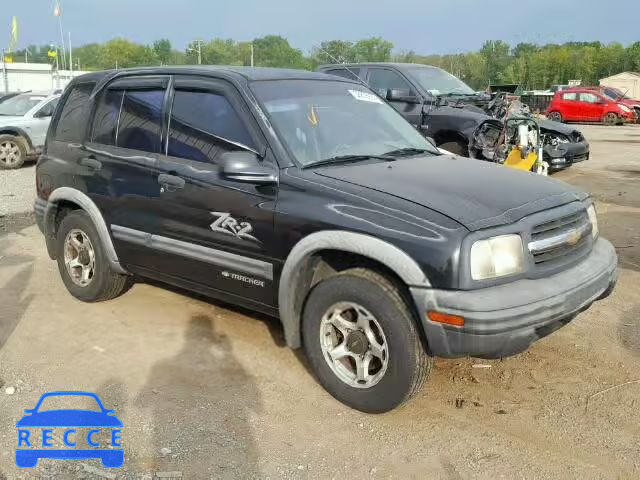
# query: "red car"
[[587, 105], [619, 96]]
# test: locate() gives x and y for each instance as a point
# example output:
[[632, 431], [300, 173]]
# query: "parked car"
[[7, 96], [586, 105], [444, 108], [307, 197], [24, 120]]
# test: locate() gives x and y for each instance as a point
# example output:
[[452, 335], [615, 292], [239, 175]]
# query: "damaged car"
[[457, 118]]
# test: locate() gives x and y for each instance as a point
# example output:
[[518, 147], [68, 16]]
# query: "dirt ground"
[[209, 391]]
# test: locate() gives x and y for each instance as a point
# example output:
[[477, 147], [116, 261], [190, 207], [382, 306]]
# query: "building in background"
[[628, 82], [22, 77]]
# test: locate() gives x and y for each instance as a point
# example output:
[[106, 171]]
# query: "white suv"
[[24, 120]]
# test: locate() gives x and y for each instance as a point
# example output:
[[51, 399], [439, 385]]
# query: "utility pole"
[[70, 57], [199, 43], [252, 54], [5, 77]]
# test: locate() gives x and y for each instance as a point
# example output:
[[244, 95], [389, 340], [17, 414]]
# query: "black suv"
[[309, 198], [444, 108]]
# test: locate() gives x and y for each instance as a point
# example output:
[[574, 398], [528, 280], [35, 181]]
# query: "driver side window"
[[382, 80], [47, 109]]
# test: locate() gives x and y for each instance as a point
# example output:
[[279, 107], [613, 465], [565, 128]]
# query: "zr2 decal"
[[228, 225]]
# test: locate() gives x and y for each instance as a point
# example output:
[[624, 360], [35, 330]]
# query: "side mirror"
[[42, 114], [397, 95], [246, 167]]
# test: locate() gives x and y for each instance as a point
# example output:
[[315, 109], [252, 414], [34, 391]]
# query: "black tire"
[[105, 284], [17, 145], [408, 364], [457, 148], [556, 117], [611, 119]]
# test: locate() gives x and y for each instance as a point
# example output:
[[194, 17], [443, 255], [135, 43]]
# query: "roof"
[[398, 65], [247, 73], [622, 74]]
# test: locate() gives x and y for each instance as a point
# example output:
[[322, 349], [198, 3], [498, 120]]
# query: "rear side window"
[[589, 97], [351, 74], [129, 119], [105, 121], [203, 125], [75, 113], [382, 80], [141, 120], [570, 96]]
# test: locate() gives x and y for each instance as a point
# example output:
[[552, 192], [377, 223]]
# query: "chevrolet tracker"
[[307, 197]]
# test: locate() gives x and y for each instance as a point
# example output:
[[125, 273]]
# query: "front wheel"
[[611, 119], [362, 342], [457, 148], [555, 116]]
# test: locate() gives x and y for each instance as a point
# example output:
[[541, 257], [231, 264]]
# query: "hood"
[[557, 127], [630, 102], [476, 194], [12, 119]]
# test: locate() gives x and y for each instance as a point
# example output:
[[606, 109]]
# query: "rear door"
[[383, 79], [124, 144], [213, 231], [569, 106]]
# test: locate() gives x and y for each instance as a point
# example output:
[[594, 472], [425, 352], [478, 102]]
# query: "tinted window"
[[382, 80], [73, 118], [203, 125], [48, 109], [351, 74], [141, 120], [589, 97], [569, 96], [105, 122]]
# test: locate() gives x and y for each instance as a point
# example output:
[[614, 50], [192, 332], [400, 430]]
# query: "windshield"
[[438, 82], [614, 94], [321, 120], [19, 105]]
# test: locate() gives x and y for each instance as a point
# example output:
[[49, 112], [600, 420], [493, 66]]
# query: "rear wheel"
[[362, 342], [13, 151], [82, 261], [611, 119], [555, 116], [457, 148]]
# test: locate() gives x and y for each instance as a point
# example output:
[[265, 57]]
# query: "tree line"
[[533, 66]]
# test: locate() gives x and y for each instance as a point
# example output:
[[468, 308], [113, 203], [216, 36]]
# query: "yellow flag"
[[8, 59], [52, 53]]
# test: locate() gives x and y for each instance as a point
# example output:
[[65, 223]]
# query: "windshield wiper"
[[348, 158], [405, 152]]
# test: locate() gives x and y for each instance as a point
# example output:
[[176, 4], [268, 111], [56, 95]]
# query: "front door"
[[213, 231], [592, 106]]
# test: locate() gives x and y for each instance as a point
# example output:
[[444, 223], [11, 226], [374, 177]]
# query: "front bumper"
[[506, 319], [566, 154]]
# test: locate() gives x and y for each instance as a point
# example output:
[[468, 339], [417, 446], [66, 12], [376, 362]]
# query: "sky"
[[424, 26]]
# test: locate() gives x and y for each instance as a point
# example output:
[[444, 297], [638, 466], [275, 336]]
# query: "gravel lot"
[[209, 391]]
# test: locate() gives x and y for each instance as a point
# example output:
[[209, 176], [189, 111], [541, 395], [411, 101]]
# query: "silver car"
[[24, 120]]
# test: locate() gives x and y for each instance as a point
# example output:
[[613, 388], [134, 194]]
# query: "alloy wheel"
[[79, 257], [10, 153]]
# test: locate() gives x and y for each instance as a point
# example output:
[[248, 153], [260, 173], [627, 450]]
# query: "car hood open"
[[474, 193]]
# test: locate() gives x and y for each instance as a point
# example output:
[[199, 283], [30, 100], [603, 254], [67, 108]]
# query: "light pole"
[[5, 77], [57, 12], [198, 50]]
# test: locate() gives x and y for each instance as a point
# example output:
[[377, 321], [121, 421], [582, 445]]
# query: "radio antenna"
[[343, 63]]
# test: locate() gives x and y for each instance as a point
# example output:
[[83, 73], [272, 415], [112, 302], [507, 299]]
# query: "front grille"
[[561, 241]]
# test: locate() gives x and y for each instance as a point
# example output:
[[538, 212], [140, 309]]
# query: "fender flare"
[[18, 132], [402, 264], [82, 200]]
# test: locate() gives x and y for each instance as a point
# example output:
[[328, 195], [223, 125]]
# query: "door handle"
[[170, 181], [91, 162]]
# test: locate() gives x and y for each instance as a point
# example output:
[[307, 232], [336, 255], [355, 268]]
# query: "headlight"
[[624, 108], [591, 211], [497, 257]]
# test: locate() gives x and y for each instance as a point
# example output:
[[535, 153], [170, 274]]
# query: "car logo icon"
[[29, 452]]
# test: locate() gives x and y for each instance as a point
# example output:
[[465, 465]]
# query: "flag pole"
[[57, 12]]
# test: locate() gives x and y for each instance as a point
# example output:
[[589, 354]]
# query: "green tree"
[[333, 51], [373, 49], [162, 50], [275, 51]]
